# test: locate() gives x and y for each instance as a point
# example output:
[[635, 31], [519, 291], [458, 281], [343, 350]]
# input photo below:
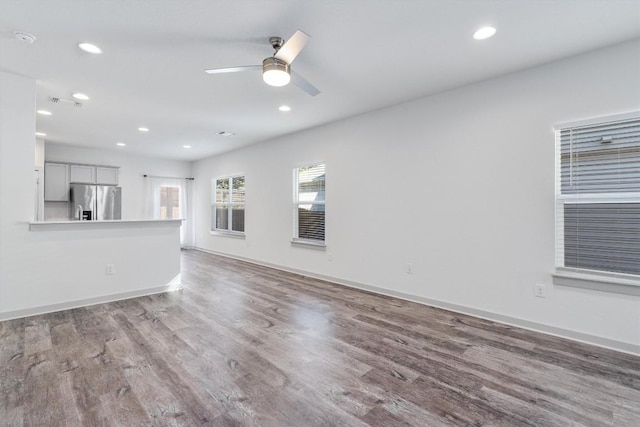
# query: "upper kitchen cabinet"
[[82, 174], [107, 175], [56, 182], [89, 174]]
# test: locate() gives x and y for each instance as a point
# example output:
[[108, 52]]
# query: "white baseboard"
[[173, 285], [604, 342]]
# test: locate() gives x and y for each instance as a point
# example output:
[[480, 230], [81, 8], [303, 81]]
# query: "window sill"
[[232, 234], [587, 279], [310, 244]]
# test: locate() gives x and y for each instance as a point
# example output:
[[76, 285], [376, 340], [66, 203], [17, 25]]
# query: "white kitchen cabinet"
[[89, 174], [82, 174], [56, 182], [107, 175]]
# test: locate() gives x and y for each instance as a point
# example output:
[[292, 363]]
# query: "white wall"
[[460, 184], [54, 269], [132, 168], [39, 153], [17, 147]]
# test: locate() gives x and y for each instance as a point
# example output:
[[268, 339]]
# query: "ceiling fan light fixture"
[[275, 72]]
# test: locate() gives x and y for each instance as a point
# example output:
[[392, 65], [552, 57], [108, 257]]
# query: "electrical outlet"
[[540, 291], [408, 268], [110, 269], [329, 256]]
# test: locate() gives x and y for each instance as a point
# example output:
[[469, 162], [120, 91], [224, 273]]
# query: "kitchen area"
[[50, 260], [81, 192]]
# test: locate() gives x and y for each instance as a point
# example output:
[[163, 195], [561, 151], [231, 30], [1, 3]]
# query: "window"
[[169, 202], [227, 210], [598, 198], [309, 204]]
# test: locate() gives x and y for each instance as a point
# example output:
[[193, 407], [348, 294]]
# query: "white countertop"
[[66, 225]]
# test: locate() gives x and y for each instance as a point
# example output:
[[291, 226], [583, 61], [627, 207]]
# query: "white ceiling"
[[363, 55]]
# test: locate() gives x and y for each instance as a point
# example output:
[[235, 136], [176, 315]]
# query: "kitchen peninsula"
[[89, 262], [106, 224], [63, 264]]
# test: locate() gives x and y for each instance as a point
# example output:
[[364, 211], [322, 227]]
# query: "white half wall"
[[132, 167], [459, 184], [50, 270]]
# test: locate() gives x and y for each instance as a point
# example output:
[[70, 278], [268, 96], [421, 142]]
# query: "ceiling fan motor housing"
[[275, 72]]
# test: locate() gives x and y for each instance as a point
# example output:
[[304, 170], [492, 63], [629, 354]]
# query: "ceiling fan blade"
[[292, 47], [233, 69], [303, 84]]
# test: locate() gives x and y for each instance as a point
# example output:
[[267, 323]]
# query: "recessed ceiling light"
[[225, 133], [44, 112], [90, 48], [484, 33], [80, 96], [41, 134], [143, 129], [186, 146], [120, 144], [284, 108]]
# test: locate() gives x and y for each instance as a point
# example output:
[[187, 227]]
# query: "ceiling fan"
[[276, 69]]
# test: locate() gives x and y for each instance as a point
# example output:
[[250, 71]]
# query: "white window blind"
[[227, 213], [309, 203], [598, 197]]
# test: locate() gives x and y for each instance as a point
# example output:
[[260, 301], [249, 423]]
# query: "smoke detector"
[[24, 37], [57, 100]]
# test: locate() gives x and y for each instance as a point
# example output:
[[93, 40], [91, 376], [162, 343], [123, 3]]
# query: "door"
[[82, 174], [56, 182], [106, 175], [108, 203], [83, 198]]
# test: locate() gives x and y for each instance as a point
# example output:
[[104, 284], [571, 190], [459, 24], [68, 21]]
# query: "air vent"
[[24, 37], [225, 133], [57, 100]]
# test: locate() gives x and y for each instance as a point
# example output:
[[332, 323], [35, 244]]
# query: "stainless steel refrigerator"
[[95, 202]]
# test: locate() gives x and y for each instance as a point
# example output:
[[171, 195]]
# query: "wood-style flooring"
[[244, 345]]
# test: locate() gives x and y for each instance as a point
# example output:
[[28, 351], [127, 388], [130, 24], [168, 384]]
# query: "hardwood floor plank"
[[43, 388], [565, 386], [12, 367], [171, 375], [36, 337], [13, 417], [379, 415], [245, 345]]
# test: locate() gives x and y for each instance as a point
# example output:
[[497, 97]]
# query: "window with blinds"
[[309, 203], [227, 208], [598, 197]]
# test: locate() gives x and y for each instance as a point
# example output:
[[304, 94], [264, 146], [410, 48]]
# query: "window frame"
[[296, 240], [600, 280], [229, 205]]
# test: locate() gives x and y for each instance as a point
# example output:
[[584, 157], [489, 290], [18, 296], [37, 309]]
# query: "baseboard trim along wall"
[[173, 285], [616, 345]]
